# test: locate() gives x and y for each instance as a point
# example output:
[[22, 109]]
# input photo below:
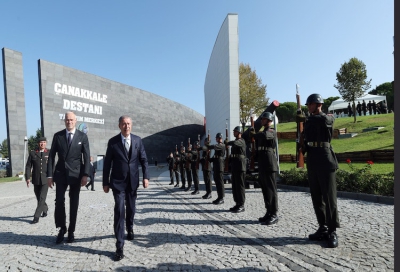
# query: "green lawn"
[[8, 179], [377, 168]]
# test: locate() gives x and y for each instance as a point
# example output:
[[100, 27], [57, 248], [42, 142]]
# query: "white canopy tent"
[[341, 104]]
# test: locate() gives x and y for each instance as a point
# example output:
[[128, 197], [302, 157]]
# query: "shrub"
[[295, 176], [3, 173]]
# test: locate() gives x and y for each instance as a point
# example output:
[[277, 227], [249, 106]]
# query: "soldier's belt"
[[260, 148], [237, 156], [319, 144]]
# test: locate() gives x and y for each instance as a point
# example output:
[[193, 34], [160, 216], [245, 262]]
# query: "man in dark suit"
[[92, 174], [125, 152], [72, 169], [36, 167]]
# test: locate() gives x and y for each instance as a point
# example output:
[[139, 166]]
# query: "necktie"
[[69, 138], [126, 145]]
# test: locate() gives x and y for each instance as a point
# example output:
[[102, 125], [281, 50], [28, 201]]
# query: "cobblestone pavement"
[[175, 231]]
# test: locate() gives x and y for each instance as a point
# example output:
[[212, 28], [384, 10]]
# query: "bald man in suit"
[[71, 170], [125, 152]]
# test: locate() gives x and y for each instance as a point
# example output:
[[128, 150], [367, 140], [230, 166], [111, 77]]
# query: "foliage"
[[352, 81], [385, 89], [357, 180], [253, 98], [9, 179], [327, 103], [286, 112], [33, 140], [3, 173], [4, 148]]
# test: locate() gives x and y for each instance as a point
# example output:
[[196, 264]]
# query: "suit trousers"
[[91, 183], [324, 197], [176, 176], [171, 175], [219, 183], [182, 171], [41, 195], [207, 181], [238, 189], [195, 176], [269, 191], [59, 211], [122, 198], [189, 176]]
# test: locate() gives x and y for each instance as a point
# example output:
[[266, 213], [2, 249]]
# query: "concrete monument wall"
[[14, 98]]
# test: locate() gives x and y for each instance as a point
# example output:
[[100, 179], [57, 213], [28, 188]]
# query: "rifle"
[[207, 160], [226, 168], [198, 153], [253, 147], [300, 136], [187, 164]]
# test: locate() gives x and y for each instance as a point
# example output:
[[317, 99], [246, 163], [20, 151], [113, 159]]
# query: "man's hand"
[[145, 183], [83, 181], [252, 131], [27, 182], [50, 182], [106, 189], [226, 141]]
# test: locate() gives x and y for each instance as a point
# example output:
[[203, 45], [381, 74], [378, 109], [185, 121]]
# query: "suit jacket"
[[36, 167], [125, 167], [73, 161], [92, 172]]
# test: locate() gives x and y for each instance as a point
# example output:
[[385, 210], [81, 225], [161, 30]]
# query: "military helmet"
[[196, 143], [267, 115], [219, 135], [315, 98], [237, 129]]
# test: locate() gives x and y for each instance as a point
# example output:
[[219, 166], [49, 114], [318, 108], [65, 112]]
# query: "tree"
[[352, 81], [385, 89], [287, 111], [253, 98], [33, 140], [327, 102], [4, 148]]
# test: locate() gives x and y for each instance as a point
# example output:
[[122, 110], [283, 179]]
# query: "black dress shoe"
[[332, 239], [119, 255], [44, 214], [71, 237], [176, 185], [218, 201], [172, 183], [233, 208], [35, 220], [272, 219], [208, 196], [92, 190], [195, 192], [87, 187], [239, 209], [182, 187], [264, 218], [60, 236], [130, 235], [320, 234], [187, 189]]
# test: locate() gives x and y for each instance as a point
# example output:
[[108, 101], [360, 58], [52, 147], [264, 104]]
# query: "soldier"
[[359, 108], [188, 169], [182, 167], [218, 167], [37, 163], [206, 168], [364, 108], [374, 106], [195, 170], [176, 168], [238, 166], [321, 169], [349, 110], [171, 162], [369, 105], [267, 168]]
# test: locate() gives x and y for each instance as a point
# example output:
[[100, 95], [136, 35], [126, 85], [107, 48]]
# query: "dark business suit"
[[91, 176], [36, 169], [124, 180], [73, 163]]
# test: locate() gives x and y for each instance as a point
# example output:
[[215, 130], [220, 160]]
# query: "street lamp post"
[[23, 163]]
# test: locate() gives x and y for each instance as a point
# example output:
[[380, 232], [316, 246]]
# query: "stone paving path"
[[175, 231]]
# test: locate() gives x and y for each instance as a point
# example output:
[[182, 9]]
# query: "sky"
[[164, 46]]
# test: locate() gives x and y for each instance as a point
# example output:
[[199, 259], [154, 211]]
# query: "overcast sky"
[[163, 46]]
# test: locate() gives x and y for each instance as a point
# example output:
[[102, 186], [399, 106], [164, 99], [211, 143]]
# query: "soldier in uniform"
[[321, 169], [171, 162], [369, 105], [238, 166], [188, 169], [194, 166], [176, 168], [182, 167], [267, 168], [374, 106], [359, 108], [364, 108], [36, 167], [218, 167], [206, 168]]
